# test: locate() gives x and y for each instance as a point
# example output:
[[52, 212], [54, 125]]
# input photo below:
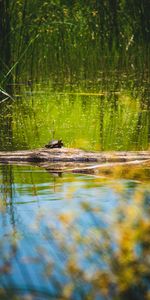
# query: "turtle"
[[54, 144]]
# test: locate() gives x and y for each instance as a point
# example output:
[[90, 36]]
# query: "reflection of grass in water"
[[102, 260], [91, 122], [139, 172], [90, 253]]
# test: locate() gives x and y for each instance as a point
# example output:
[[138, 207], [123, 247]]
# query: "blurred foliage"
[[99, 260], [87, 252]]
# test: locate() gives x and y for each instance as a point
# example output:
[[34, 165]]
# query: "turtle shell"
[[54, 144]]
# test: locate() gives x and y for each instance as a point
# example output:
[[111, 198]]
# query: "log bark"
[[72, 155], [74, 160]]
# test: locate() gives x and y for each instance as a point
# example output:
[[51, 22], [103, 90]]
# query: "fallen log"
[[62, 159], [72, 155]]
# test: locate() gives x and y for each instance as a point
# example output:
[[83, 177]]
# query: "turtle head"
[[60, 143]]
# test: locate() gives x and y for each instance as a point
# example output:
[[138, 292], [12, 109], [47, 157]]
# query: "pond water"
[[110, 113], [73, 236]]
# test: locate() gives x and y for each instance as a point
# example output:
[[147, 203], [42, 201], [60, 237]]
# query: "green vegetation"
[[93, 56], [72, 39]]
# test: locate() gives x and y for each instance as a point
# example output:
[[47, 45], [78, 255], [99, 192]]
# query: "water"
[[110, 113], [73, 236], [67, 236]]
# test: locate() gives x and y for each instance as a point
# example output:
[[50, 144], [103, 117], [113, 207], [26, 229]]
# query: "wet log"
[[72, 156], [76, 160]]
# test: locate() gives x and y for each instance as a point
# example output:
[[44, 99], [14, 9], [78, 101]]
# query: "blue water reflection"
[[62, 237]]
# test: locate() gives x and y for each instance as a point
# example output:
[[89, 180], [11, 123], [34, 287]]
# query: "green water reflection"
[[111, 113]]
